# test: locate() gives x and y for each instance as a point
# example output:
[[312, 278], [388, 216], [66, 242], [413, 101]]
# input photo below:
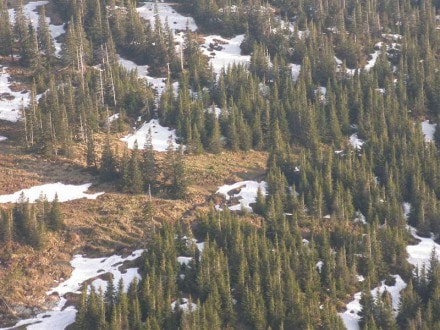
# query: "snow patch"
[[142, 70], [200, 246], [58, 318], [360, 278], [84, 269], [159, 135], [112, 118], [3, 138], [184, 260], [296, 70], [428, 130], [11, 102], [420, 254], [168, 14], [217, 111], [356, 142], [30, 11], [65, 192], [158, 83], [319, 265], [351, 318], [224, 52], [247, 193], [372, 62], [406, 209], [184, 305], [360, 218], [88, 268]]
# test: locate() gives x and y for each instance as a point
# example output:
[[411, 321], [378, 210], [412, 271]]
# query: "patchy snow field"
[[168, 14], [246, 196], [159, 134], [355, 142], [30, 11], [58, 318], [88, 268], [11, 102], [372, 62], [184, 305], [184, 260], [225, 52], [421, 253], [351, 318], [296, 70], [142, 71], [84, 270], [66, 192], [428, 130]]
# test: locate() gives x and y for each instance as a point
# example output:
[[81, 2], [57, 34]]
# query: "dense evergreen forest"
[[258, 271]]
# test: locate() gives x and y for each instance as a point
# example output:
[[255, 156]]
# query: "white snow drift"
[[30, 11], [225, 52], [65, 192], [420, 254], [167, 14], [351, 318], [160, 136], [11, 102], [246, 196], [84, 270], [428, 130], [355, 142]]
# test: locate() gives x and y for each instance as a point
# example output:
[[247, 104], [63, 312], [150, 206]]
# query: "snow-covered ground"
[[55, 32], [65, 192], [359, 217], [30, 11], [57, 318], [296, 70], [420, 253], [229, 53], [142, 70], [168, 14], [112, 118], [372, 61], [11, 102], [160, 136], [184, 260], [428, 130], [184, 305], [88, 268], [158, 83], [176, 22], [216, 110], [356, 142], [84, 270], [246, 196], [351, 318]]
